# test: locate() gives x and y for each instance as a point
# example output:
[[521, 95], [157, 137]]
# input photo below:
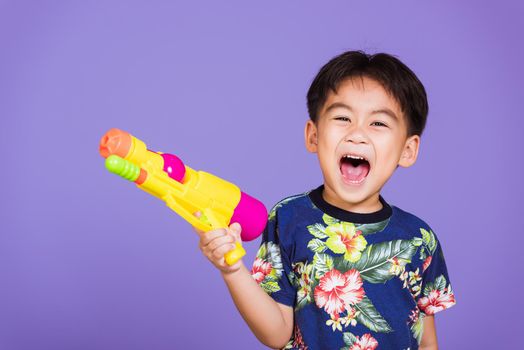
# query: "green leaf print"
[[273, 256], [270, 286], [317, 230], [272, 214], [317, 245], [370, 317], [262, 251], [375, 264], [322, 263], [269, 253], [438, 284], [418, 327], [302, 279], [422, 254], [349, 339], [301, 302], [368, 229], [429, 240], [329, 220], [293, 279], [417, 242]]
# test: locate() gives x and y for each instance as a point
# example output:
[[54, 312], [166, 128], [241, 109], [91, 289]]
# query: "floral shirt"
[[355, 281]]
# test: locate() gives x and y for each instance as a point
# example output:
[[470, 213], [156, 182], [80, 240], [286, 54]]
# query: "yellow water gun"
[[183, 189]]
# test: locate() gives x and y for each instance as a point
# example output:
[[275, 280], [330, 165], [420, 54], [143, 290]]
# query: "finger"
[[220, 251], [219, 241], [235, 229], [208, 237]]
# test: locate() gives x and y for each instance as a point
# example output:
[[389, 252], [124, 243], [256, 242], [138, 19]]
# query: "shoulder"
[[282, 218], [289, 204], [410, 222]]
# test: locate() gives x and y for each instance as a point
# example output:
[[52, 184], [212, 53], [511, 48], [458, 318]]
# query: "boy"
[[338, 267]]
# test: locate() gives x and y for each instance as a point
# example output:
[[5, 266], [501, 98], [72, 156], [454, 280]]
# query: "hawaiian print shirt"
[[355, 281]]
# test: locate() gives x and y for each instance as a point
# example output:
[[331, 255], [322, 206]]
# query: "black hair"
[[394, 76]]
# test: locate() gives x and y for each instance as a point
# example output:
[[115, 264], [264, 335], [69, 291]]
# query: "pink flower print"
[[413, 316], [436, 301], [260, 269], [426, 263], [336, 292], [366, 342], [298, 342]]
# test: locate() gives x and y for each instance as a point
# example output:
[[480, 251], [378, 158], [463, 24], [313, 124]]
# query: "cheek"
[[326, 156], [388, 143], [388, 154], [330, 137]]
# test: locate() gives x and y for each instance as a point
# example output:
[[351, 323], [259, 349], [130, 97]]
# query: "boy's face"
[[360, 138]]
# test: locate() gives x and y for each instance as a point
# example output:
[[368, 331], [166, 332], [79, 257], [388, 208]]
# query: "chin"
[[351, 193], [353, 198]]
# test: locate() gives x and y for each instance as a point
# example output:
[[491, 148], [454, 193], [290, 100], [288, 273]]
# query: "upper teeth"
[[352, 156]]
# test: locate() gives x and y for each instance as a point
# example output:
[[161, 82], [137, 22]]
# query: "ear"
[[410, 151], [311, 136]]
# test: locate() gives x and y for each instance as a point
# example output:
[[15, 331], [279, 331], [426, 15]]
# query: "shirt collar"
[[348, 216]]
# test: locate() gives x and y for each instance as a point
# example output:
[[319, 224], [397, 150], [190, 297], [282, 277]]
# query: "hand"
[[215, 243]]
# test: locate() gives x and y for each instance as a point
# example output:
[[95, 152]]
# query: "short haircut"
[[394, 76]]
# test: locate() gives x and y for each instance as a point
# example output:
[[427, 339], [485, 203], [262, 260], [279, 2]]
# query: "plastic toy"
[[183, 189]]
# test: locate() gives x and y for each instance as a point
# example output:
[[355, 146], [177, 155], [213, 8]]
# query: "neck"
[[369, 205]]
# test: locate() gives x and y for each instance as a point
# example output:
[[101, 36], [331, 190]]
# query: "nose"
[[356, 135]]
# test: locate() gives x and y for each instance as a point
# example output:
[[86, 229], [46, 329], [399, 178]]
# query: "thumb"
[[236, 230]]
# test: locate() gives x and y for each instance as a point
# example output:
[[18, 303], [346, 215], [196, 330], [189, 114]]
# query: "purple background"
[[89, 262]]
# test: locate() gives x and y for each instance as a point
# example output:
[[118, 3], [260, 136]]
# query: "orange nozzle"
[[142, 177], [117, 142]]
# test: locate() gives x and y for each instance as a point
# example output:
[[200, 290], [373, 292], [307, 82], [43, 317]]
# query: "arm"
[[271, 322], [429, 334]]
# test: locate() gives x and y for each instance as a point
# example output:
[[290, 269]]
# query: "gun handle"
[[236, 253], [207, 222]]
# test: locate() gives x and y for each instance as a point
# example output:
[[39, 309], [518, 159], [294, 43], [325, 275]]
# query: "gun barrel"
[[117, 142], [123, 144], [154, 172], [122, 167], [125, 169]]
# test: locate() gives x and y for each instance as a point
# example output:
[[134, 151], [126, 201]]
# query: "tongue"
[[354, 173]]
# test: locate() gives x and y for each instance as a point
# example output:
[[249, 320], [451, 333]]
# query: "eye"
[[344, 119], [378, 124]]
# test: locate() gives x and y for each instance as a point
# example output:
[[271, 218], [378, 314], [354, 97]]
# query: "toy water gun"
[[184, 190]]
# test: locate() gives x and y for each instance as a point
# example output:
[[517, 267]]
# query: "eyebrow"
[[386, 111]]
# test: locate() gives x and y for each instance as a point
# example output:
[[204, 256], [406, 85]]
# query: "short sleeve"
[[272, 266], [436, 292]]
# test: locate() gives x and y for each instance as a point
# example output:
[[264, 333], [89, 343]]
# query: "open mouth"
[[353, 168]]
